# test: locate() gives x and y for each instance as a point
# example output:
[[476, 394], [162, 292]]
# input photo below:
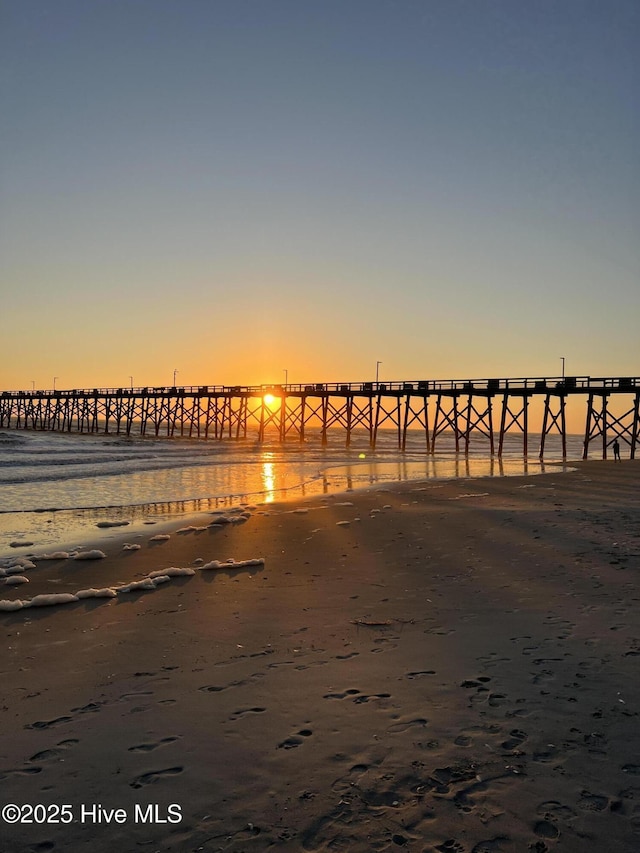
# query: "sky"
[[239, 191]]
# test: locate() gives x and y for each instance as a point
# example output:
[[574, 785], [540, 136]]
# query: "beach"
[[438, 666]]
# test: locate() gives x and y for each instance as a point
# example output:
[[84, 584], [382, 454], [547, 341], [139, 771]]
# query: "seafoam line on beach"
[[152, 581]]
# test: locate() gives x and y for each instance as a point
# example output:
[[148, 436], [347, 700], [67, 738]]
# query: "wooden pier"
[[467, 410]]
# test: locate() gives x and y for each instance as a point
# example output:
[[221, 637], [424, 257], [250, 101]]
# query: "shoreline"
[[457, 667], [72, 525]]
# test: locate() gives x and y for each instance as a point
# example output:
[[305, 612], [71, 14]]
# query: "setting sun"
[[269, 399]]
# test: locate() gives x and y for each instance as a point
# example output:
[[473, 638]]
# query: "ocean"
[[56, 487]]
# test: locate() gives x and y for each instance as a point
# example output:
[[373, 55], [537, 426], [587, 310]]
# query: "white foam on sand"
[[10, 565], [146, 583], [173, 572], [17, 565], [232, 564], [19, 568], [149, 583], [470, 495], [7, 605], [238, 518], [55, 555], [51, 599], [106, 592]]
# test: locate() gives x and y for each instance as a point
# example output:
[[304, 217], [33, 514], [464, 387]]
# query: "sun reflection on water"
[[268, 476]]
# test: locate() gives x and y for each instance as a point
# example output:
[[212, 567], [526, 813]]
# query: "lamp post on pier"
[[378, 363], [286, 376], [54, 382], [562, 360], [175, 373], [131, 380]]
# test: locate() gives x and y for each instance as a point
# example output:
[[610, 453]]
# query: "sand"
[[433, 667]]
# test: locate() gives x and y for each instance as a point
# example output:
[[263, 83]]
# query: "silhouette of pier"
[[468, 410]]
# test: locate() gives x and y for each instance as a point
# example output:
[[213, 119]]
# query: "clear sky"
[[235, 188]]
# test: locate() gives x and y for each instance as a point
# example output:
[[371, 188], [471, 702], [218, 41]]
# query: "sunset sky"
[[235, 188]]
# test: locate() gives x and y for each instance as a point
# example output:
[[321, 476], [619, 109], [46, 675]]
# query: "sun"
[[269, 399]]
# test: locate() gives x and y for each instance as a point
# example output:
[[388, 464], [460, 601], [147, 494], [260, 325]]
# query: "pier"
[[469, 410]]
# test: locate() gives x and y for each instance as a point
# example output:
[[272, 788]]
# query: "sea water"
[[54, 486]]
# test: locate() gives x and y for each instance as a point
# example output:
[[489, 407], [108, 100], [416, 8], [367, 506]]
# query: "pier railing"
[[464, 408], [567, 384]]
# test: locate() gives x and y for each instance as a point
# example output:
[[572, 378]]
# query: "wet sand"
[[449, 666]]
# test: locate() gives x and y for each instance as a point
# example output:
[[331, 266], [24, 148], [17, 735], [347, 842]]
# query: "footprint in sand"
[[126, 696], [420, 673], [359, 700], [238, 715], [492, 659], [546, 829], [346, 784], [521, 712], [384, 644], [492, 845], [476, 682], [215, 688], [47, 724], [20, 771], [545, 756], [352, 691], [55, 752], [553, 809], [450, 846], [543, 677], [149, 747], [90, 708], [295, 740], [154, 776], [592, 802], [403, 726], [596, 743], [454, 774], [516, 738]]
